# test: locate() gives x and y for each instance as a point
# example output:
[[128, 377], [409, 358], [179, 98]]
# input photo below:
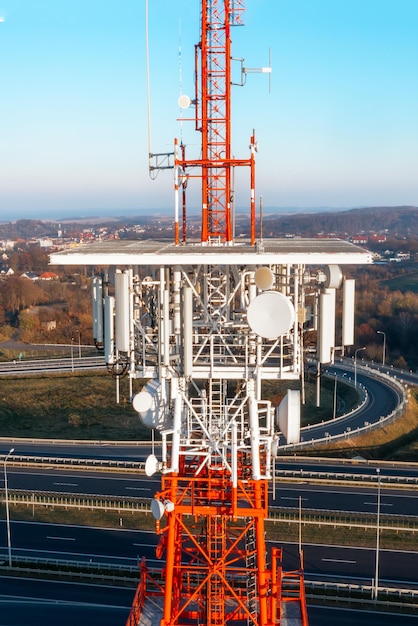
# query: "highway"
[[88, 603], [24, 602], [382, 400], [125, 547], [325, 497], [36, 603]]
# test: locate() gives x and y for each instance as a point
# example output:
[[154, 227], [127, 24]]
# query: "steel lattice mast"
[[216, 459], [213, 119]]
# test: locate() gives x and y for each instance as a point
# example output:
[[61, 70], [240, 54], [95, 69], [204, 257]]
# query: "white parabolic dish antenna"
[[270, 315], [157, 509], [184, 101], [152, 465], [151, 405]]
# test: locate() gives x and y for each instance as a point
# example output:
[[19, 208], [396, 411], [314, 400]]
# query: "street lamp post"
[[300, 525], [79, 343], [381, 332], [6, 492], [355, 365], [376, 572], [334, 411], [72, 354]]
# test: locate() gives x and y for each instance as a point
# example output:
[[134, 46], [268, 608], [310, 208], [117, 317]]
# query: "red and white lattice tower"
[[207, 324], [212, 105], [216, 458]]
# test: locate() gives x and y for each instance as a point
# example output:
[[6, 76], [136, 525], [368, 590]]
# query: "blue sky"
[[338, 129]]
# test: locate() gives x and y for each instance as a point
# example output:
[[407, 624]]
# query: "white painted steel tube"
[[187, 332]]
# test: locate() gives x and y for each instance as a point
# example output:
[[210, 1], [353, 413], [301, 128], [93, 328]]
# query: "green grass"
[[406, 282], [83, 406], [71, 406], [275, 531]]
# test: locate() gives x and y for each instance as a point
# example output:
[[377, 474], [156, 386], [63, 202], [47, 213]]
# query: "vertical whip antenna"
[[148, 82]]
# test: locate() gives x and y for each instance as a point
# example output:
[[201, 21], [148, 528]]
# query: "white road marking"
[[297, 499], [138, 488], [381, 504], [67, 484], [338, 561], [62, 538]]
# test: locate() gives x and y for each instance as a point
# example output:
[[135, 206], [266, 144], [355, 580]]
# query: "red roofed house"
[[48, 276]]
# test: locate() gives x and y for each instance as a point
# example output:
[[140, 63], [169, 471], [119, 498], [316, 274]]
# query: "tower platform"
[[271, 251]]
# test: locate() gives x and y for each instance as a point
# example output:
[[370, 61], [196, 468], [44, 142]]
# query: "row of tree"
[[27, 307]]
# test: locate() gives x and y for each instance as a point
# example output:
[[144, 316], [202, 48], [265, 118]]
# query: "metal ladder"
[[251, 565]]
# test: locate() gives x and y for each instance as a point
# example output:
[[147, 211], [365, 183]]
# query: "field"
[[83, 406], [404, 282], [74, 406]]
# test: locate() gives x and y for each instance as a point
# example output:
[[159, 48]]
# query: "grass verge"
[[275, 531]]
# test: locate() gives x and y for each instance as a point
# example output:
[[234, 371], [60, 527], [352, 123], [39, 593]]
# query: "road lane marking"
[[381, 504], [67, 484], [288, 498], [138, 488], [338, 561], [62, 538]]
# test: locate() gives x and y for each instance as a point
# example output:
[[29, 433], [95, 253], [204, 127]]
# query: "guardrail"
[[323, 517], [338, 477], [386, 419], [404, 598], [319, 517], [77, 501], [113, 465], [283, 475]]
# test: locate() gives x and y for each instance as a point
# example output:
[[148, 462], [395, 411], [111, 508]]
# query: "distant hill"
[[394, 221], [400, 221]]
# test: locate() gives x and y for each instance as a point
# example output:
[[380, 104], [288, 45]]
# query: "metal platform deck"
[[271, 251]]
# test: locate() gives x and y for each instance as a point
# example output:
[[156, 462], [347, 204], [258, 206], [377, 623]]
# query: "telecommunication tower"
[[207, 324]]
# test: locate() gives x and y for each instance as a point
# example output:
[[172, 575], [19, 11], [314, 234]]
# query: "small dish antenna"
[[150, 403], [152, 465], [184, 101], [264, 278], [333, 277], [157, 509]]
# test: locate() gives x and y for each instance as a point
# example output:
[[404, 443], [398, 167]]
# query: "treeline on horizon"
[[395, 222], [386, 301]]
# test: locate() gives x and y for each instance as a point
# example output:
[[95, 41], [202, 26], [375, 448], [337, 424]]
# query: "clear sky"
[[338, 129]]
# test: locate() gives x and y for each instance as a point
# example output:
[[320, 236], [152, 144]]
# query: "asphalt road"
[[327, 616], [24, 602], [38, 603], [382, 400], [126, 547], [323, 497]]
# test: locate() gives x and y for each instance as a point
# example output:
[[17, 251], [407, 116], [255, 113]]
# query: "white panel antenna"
[[348, 312], [97, 309], [122, 298], [109, 336], [326, 325], [288, 413]]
